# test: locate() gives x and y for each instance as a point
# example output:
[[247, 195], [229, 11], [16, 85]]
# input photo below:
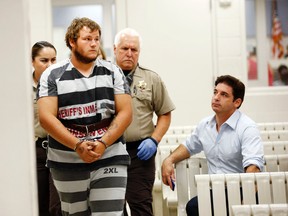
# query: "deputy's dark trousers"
[[141, 176], [48, 198]]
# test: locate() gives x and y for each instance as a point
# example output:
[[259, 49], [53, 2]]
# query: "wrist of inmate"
[[78, 144], [103, 142]]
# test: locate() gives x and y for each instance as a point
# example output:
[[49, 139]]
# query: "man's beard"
[[83, 59]]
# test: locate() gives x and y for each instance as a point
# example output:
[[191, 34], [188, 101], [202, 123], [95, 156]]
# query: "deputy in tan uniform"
[[149, 96]]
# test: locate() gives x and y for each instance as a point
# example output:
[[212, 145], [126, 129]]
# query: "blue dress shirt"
[[236, 146]]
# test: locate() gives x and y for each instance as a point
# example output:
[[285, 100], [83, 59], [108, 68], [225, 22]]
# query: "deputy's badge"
[[142, 85]]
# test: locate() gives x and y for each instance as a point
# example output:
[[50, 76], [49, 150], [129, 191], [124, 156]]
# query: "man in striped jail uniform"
[[85, 106]]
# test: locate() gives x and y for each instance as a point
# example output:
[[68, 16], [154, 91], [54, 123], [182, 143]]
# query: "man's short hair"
[[76, 25]]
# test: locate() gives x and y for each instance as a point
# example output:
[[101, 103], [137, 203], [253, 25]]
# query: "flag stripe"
[[277, 34]]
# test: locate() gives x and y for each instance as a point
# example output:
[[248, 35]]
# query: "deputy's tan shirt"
[[149, 95], [39, 132]]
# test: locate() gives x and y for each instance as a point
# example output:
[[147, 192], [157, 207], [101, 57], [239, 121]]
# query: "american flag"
[[277, 34]]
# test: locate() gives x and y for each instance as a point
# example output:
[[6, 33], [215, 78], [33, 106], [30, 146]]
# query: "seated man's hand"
[[167, 171]]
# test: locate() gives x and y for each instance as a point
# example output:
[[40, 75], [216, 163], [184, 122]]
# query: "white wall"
[[267, 104], [18, 170], [191, 42], [229, 38], [177, 45], [99, 10], [40, 19]]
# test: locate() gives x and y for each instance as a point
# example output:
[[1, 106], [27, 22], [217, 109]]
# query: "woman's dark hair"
[[38, 46], [237, 86]]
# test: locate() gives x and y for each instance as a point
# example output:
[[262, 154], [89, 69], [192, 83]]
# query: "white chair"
[[169, 139], [182, 182], [271, 163], [260, 210], [271, 187], [274, 135], [180, 130], [272, 126], [203, 190], [163, 151], [248, 210], [173, 139], [157, 187], [279, 209], [263, 181], [181, 138], [233, 189], [248, 188], [275, 147], [279, 187], [280, 147], [268, 126], [168, 197], [241, 210], [276, 162], [261, 126], [185, 179], [268, 148], [283, 162], [219, 198], [281, 125]]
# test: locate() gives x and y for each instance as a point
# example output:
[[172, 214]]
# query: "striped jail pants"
[[92, 193]]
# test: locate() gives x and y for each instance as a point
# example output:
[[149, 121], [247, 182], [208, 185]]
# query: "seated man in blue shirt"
[[230, 140]]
